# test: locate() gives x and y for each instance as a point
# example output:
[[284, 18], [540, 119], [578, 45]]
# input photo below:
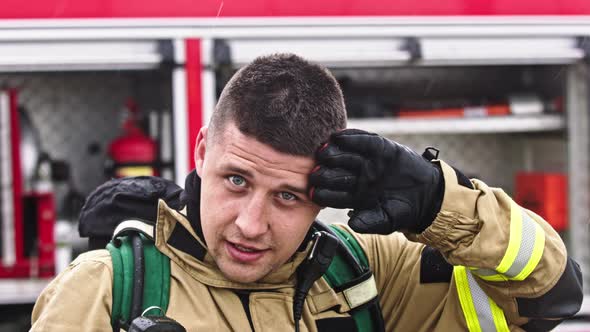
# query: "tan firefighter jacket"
[[499, 250]]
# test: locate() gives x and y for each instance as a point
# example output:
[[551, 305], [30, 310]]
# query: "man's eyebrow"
[[299, 190], [236, 169]]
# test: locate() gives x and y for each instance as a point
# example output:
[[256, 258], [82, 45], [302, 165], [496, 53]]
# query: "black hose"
[[298, 301], [312, 268], [138, 274], [343, 250]]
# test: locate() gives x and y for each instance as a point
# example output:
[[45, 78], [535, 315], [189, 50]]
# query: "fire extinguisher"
[[134, 153]]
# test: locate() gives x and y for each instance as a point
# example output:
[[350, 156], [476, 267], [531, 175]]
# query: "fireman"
[[447, 253]]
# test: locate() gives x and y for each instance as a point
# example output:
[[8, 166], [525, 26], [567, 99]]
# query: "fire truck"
[[501, 87]]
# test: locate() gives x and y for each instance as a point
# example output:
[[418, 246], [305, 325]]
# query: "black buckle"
[[430, 153]]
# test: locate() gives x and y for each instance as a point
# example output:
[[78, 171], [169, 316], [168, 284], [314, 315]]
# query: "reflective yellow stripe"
[[515, 238], [481, 313], [464, 293], [536, 256], [525, 247], [499, 319]]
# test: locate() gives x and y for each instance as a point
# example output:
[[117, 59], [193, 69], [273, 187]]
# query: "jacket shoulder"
[[97, 258], [79, 296]]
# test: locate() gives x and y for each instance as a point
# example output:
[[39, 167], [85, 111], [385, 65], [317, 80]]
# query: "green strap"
[[156, 290], [352, 244], [117, 282], [339, 272], [127, 252], [122, 258]]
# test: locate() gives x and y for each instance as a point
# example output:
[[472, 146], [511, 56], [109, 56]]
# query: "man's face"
[[254, 207]]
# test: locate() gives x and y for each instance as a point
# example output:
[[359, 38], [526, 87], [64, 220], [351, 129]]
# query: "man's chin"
[[242, 273], [243, 277]]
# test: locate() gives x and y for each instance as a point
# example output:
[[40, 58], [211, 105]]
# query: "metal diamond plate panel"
[[579, 166], [72, 111]]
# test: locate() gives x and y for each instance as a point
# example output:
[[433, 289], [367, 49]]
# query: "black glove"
[[120, 199], [388, 186]]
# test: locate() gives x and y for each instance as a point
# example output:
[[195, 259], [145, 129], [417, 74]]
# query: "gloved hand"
[[121, 199], [388, 186]]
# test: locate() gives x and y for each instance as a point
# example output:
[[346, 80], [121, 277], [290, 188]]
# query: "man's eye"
[[287, 196], [237, 180]]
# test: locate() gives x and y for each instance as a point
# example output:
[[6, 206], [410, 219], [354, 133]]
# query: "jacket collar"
[[190, 199], [177, 239]]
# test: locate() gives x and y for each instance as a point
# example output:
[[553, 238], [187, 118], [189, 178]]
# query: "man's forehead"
[[255, 157], [228, 129], [236, 142]]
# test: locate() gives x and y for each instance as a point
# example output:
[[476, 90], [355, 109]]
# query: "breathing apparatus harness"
[[141, 273]]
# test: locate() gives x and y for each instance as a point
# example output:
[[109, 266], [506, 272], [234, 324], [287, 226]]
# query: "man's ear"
[[200, 149]]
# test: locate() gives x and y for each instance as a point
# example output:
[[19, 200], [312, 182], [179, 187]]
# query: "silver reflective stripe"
[[527, 234], [481, 304], [527, 244], [484, 272]]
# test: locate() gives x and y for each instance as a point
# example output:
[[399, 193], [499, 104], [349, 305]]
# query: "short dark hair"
[[284, 101]]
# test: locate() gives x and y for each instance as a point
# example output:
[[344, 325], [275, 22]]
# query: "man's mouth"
[[245, 248], [243, 253]]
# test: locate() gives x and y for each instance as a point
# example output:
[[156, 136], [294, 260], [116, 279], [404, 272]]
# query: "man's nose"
[[253, 219]]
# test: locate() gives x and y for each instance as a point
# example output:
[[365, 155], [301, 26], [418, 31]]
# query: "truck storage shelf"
[[474, 125], [21, 291]]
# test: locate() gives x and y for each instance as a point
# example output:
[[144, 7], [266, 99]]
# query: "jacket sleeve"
[[79, 298], [484, 264]]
